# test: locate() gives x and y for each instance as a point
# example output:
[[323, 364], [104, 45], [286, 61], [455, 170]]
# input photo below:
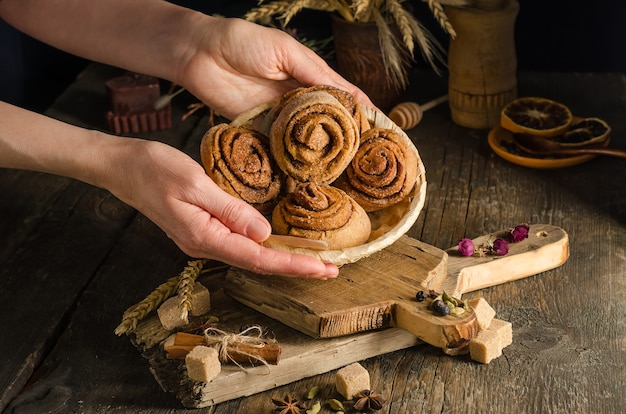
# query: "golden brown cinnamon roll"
[[345, 98], [314, 138], [383, 171], [239, 161], [321, 212]]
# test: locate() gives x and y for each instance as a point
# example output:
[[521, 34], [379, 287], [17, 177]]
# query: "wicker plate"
[[388, 225]]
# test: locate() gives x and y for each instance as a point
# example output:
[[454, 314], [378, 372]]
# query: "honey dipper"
[[408, 114]]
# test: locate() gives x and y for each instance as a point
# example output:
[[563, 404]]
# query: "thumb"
[[239, 216], [317, 72]]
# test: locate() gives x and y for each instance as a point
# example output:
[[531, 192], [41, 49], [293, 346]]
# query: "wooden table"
[[73, 258]]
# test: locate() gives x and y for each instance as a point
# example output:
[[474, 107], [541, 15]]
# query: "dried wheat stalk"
[[183, 284], [440, 15], [186, 282], [264, 13], [391, 54], [135, 313], [382, 12]]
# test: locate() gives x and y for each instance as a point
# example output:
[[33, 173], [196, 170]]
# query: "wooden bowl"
[[388, 225]]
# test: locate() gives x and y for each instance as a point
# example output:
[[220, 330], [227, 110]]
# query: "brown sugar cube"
[[352, 379], [488, 344], [485, 346], [504, 329], [170, 315], [169, 312], [200, 300], [203, 363], [484, 312]]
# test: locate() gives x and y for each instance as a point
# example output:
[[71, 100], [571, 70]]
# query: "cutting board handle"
[[546, 247], [446, 332]]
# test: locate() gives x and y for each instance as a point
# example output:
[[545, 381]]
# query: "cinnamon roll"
[[321, 212], [239, 161], [314, 138], [345, 98], [383, 171]]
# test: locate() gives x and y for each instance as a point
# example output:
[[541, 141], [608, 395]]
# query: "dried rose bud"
[[519, 233], [500, 247], [466, 247]]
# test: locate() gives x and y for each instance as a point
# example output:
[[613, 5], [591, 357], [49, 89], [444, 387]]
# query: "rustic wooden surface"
[[73, 258]]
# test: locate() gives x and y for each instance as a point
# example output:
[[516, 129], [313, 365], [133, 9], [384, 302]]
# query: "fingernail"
[[332, 271], [258, 230]]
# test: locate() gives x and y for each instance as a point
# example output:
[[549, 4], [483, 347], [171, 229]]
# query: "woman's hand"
[[230, 64], [173, 191], [236, 65]]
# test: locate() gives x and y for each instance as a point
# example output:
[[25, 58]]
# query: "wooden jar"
[[482, 62]]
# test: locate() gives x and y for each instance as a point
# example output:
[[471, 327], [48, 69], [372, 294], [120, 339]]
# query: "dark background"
[[551, 35]]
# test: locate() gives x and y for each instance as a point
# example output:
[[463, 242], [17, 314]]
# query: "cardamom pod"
[[315, 408], [335, 405], [313, 392]]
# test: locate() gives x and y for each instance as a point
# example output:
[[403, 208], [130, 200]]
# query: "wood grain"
[[568, 331], [360, 299], [546, 248], [379, 291], [301, 356]]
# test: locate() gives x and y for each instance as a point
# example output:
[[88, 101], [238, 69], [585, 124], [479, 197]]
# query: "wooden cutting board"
[[337, 307], [379, 291]]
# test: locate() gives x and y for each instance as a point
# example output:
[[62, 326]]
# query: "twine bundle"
[[225, 342]]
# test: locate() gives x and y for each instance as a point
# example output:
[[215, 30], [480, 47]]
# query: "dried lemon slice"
[[537, 116], [584, 132]]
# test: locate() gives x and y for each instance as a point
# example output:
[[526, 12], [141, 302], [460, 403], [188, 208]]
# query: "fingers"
[[233, 233], [262, 260], [317, 72], [235, 215], [201, 234]]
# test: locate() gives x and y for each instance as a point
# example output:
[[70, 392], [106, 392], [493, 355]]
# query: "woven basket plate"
[[388, 225]]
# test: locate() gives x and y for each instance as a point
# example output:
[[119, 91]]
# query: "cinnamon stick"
[[241, 353]]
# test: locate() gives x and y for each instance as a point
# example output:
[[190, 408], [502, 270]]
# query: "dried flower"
[[368, 401], [466, 247], [288, 405], [519, 233], [500, 247]]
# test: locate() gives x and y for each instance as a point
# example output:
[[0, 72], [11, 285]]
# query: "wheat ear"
[[186, 282], [134, 314], [442, 18], [264, 14], [391, 53], [406, 22]]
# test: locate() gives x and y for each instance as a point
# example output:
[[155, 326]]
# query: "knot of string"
[[226, 343]]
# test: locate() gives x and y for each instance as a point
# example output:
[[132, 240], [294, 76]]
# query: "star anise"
[[288, 405], [367, 400]]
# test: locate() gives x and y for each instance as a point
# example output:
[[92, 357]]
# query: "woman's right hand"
[[173, 191]]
